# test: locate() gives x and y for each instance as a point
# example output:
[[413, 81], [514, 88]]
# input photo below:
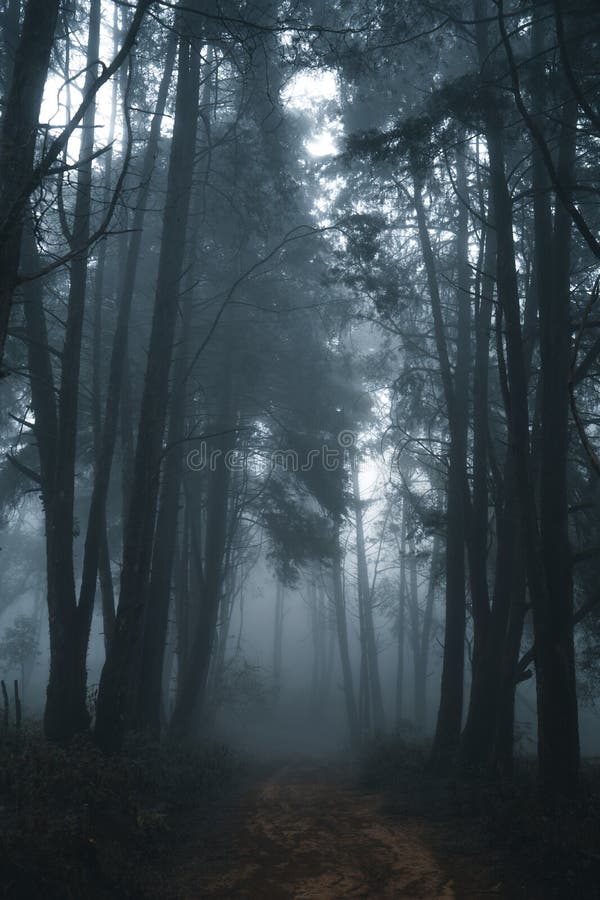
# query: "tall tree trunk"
[[18, 134], [66, 708], [503, 747], [518, 415], [415, 630], [489, 627], [233, 586], [10, 40], [412, 607], [489, 728], [484, 708], [96, 546], [423, 659], [104, 566], [342, 630], [183, 590], [329, 651], [317, 634], [139, 529], [449, 719], [558, 746], [146, 713], [278, 641], [192, 692], [18, 176], [401, 619], [364, 589], [478, 525], [558, 735]]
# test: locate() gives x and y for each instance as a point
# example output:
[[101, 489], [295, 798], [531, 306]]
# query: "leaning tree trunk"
[[18, 176], [18, 135], [96, 546]]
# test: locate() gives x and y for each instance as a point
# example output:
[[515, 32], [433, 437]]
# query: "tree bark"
[[558, 735], [66, 706], [192, 691], [278, 641], [423, 658], [140, 524], [18, 135], [342, 630], [449, 720], [146, 713], [95, 544], [368, 637]]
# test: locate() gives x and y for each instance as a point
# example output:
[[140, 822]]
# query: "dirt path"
[[305, 833]]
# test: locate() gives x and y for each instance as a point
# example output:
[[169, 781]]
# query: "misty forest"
[[300, 449]]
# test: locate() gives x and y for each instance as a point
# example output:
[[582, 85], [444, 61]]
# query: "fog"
[[299, 443]]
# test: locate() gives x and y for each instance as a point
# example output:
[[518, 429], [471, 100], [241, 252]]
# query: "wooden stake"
[[6, 707], [18, 714]]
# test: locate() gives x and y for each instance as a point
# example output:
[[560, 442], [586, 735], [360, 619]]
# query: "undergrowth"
[[76, 824], [538, 854]]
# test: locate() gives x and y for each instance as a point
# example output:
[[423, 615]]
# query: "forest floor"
[[308, 830], [189, 822], [335, 828]]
